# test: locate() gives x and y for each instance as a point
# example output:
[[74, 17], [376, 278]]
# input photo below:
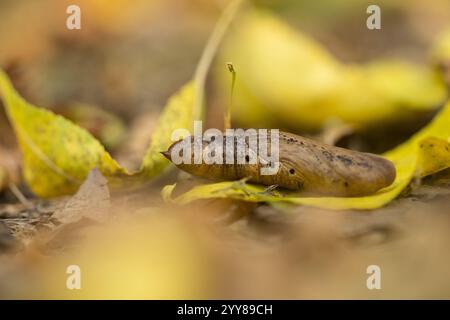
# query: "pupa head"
[[189, 155]]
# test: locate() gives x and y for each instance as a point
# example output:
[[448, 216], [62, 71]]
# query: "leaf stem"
[[208, 56], [19, 195], [227, 117]]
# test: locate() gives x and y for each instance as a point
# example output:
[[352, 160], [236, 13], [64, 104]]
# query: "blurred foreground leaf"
[[156, 257], [427, 152]]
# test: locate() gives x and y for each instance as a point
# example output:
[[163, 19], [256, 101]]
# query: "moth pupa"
[[303, 165]]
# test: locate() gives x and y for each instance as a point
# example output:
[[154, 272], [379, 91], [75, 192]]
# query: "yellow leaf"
[[57, 154], [287, 79], [440, 56], [424, 153], [177, 114], [434, 156], [441, 49], [107, 127]]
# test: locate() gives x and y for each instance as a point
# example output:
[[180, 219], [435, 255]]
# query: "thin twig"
[[20, 196]]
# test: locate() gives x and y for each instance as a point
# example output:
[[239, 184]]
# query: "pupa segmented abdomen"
[[304, 165]]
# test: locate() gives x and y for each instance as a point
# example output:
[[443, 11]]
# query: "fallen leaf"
[[176, 115], [104, 125], [58, 155], [434, 156], [424, 153], [90, 201], [87, 208], [288, 79]]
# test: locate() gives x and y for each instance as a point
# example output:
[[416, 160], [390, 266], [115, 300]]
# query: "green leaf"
[[428, 151]]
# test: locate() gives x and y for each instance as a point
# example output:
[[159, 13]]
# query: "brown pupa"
[[304, 165]]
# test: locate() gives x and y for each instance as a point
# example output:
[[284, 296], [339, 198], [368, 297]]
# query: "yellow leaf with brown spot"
[[434, 156]]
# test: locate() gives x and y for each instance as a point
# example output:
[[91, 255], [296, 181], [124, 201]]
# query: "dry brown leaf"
[[90, 201]]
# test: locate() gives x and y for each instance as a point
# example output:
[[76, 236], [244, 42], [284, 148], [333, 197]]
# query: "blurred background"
[[113, 77]]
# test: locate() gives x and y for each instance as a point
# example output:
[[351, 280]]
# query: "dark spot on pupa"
[[291, 171], [346, 184], [363, 164], [247, 158], [346, 161], [328, 155]]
